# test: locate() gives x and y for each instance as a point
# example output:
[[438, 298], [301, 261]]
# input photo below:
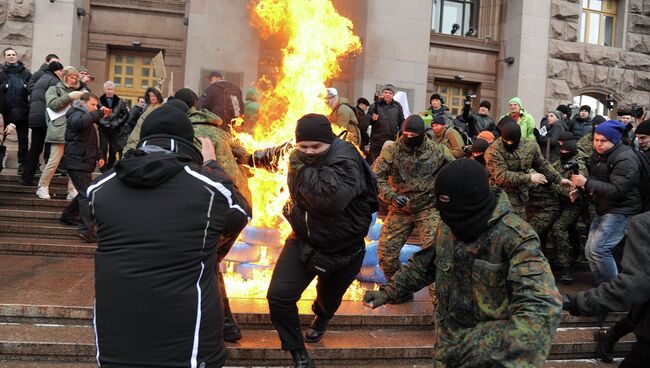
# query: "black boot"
[[301, 359], [231, 331], [316, 329], [604, 345]]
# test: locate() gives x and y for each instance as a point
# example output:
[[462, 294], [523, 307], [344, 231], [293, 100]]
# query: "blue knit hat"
[[612, 130]]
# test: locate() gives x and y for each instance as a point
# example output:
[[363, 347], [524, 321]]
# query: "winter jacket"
[[81, 150], [445, 113], [628, 137], [161, 218], [364, 123], [57, 99], [391, 116], [14, 97], [579, 127], [224, 99], [37, 118], [329, 207], [134, 137], [452, 139], [118, 115], [35, 77], [549, 144], [477, 123], [614, 181], [631, 288], [527, 124], [344, 116]]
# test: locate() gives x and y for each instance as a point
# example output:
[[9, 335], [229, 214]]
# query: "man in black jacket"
[[110, 126], [162, 215], [387, 116], [222, 98], [332, 201], [629, 291], [36, 121], [80, 157], [50, 58], [613, 185], [478, 122], [14, 100]]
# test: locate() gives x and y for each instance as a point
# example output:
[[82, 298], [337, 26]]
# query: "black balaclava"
[[413, 124], [570, 149], [464, 198], [512, 132]]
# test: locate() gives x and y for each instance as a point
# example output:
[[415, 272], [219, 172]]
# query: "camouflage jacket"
[[566, 172], [134, 137], [511, 170], [206, 124], [585, 150], [497, 300], [400, 171]]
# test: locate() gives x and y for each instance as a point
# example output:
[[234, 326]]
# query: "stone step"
[[47, 247], [577, 363], [9, 177], [38, 229], [15, 189], [29, 202], [21, 215], [262, 347]]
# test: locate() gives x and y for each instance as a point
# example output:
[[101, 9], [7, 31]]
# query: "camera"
[[573, 166], [469, 97]]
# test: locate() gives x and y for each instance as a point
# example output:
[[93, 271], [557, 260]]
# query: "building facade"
[[546, 52]]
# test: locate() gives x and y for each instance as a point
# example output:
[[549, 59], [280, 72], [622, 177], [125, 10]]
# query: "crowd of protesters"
[[498, 203]]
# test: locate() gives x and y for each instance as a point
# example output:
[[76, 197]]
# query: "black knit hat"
[[464, 197], [436, 96], [54, 66], [586, 108], [413, 124], [566, 110], [643, 128], [598, 119], [438, 120], [364, 101], [314, 127], [565, 136], [486, 104], [177, 103], [167, 120], [570, 146], [188, 96], [479, 145]]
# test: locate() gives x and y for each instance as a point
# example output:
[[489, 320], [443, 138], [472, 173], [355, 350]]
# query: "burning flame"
[[316, 36]]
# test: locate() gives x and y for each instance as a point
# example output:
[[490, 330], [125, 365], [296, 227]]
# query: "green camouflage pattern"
[[542, 208], [511, 170], [585, 150], [206, 124], [396, 230], [498, 304], [411, 173], [134, 137]]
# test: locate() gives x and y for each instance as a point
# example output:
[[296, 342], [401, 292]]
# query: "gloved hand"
[[269, 158], [570, 304], [400, 201], [374, 299], [536, 133]]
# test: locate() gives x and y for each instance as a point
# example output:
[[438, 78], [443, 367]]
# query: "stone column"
[[57, 30], [16, 27], [526, 39], [395, 48], [220, 37]]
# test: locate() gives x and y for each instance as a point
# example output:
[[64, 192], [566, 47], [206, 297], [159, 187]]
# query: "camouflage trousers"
[[397, 228], [469, 348], [559, 234], [541, 220]]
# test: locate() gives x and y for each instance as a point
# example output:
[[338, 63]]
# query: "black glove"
[[375, 298], [570, 304], [269, 158], [536, 133], [400, 201]]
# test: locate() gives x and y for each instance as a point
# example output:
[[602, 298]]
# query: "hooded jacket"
[[37, 118], [328, 207], [81, 150], [526, 121], [614, 181], [161, 218], [14, 97]]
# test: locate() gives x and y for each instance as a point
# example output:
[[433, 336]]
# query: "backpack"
[[229, 101], [461, 127]]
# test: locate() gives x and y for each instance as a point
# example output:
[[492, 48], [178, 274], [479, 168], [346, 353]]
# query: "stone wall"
[[17, 27], [576, 68]]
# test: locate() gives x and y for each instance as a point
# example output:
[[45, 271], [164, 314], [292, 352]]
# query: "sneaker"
[[43, 193], [71, 195]]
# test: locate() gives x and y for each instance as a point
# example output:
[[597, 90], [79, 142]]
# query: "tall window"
[[454, 95], [456, 17], [598, 22], [132, 72]]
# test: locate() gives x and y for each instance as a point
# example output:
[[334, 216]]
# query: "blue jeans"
[[605, 233]]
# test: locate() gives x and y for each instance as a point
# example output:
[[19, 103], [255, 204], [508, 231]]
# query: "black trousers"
[[33, 155], [108, 144], [290, 278], [80, 204], [639, 356]]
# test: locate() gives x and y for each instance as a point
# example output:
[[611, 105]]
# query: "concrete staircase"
[[47, 291]]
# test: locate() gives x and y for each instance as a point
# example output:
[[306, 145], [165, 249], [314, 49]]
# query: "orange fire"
[[316, 37]]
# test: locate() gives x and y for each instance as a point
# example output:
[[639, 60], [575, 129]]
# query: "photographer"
[[477, 122]]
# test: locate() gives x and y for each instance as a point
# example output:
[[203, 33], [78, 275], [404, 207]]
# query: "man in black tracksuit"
[[161, 218], [80, 157], [332, 201]]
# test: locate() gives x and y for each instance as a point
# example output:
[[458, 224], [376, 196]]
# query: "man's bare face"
[[602, 144], [11, 57], [644, 141]]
